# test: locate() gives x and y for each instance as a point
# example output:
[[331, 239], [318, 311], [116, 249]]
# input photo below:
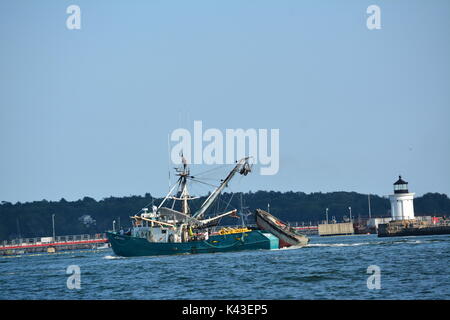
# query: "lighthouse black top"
[[400, 186]]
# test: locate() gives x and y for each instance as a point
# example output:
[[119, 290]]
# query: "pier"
[[402, 228], [52, 244], [308, 230]]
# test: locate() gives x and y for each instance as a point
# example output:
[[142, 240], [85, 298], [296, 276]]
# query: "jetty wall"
[[335, 229]]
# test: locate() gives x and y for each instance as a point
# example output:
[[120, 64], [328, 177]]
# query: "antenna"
[[168, 156]]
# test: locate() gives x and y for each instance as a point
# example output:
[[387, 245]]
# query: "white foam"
[[291, 247], [336, 244], [112, 257]]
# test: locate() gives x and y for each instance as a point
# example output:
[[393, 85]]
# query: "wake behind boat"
[[166, 231]]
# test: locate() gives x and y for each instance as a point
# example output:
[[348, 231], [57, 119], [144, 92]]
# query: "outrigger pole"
[[242, 167], [170, 192], [217, 217], [159, 222]]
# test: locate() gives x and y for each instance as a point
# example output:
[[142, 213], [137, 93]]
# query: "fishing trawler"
[[167, 231]]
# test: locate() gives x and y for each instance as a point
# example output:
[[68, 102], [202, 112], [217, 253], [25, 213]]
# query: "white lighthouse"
[[402, 207]]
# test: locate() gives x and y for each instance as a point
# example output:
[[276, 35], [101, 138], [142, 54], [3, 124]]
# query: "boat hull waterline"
[[128, 246]]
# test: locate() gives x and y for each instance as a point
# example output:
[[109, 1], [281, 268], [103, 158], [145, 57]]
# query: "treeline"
[[34, 219]]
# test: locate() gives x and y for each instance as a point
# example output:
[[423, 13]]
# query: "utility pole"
[[18, 228]]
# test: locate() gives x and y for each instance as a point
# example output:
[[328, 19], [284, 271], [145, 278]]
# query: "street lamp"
[[53, 224], [326, 213], [350, 209]]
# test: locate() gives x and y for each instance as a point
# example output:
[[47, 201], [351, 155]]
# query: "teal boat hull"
[[127, 246]]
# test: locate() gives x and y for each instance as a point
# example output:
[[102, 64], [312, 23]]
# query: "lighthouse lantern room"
[[402, 207]]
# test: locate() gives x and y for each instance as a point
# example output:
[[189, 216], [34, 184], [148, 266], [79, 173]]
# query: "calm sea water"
[[329, 268]]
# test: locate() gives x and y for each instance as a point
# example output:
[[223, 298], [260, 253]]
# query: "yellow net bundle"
[[228, 230]]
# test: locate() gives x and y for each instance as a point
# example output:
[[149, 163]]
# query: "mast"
[[242, 166], [183, 184]]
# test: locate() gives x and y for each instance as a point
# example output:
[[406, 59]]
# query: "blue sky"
[[87, 112]]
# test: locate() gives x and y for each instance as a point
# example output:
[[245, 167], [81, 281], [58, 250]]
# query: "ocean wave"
[[307, 278]]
